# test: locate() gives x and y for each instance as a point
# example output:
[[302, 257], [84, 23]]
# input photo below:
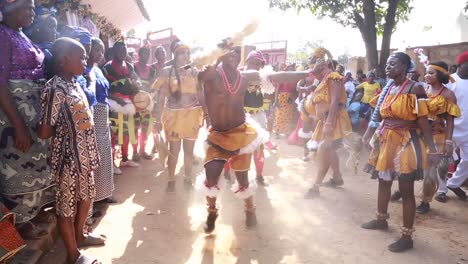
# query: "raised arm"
[[288, 77]]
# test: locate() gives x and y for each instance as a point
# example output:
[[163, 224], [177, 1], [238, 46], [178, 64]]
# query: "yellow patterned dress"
[[181, 123], [322, 96], [401, 152], [438, 106]]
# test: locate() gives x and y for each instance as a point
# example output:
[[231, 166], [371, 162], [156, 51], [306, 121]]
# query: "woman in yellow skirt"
[[402, 138], [327, 107], [179, 111], [443, 109]]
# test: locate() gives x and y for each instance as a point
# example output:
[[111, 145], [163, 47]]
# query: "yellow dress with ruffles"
[[438, 106], [401, 151], [322, 95], [183, 123]]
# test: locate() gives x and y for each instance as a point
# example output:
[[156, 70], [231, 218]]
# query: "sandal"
[[261, 181], [401, 245], [92, 241], [85, 259], [376, 225]]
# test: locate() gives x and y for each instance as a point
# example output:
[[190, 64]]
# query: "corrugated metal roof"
[[124, 14]]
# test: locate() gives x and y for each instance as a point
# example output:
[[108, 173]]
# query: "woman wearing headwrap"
[[43, 32], [404, 134], [25, 182], [104, 175], [181, 115], [327, 106], [443, 109]]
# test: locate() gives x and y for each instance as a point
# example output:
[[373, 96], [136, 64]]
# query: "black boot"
[[401, 245], [376, 225], [211, 222], [423, 208]]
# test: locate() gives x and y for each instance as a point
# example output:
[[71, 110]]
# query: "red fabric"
[[259, 160], [462, 58], [124, 147], [10, 240], [142, 141], [294, 138]]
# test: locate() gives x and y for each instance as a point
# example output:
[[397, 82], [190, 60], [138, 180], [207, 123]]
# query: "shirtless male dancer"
[[232, 137]]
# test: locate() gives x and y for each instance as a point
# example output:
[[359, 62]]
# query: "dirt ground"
[[149, 225]]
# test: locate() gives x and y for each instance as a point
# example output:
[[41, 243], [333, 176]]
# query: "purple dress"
[[25, 180]]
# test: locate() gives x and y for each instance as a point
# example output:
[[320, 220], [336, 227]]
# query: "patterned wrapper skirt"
[[104, 175], [284, 113], [25, 180]]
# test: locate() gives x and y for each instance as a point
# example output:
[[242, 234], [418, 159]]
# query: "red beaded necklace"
[[389, 105], [438, 93], [232, 89]]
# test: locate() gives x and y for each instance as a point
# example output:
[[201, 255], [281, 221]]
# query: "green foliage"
[[347, 12], [304, 53], [131, 33]]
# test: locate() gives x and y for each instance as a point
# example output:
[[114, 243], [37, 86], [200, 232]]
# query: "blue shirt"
[[102, 86], [353, 110], [90, 95]]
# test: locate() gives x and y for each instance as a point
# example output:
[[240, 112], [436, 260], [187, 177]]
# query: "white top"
[[460, 88], [350, 89]]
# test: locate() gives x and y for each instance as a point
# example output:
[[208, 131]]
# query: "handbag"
[[10, 240]]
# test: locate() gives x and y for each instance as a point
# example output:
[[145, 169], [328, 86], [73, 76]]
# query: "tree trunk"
[[368, 31], [390, 22]]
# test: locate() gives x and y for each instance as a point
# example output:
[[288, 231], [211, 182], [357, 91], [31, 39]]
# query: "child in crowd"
[[354, 110], [67, 120]]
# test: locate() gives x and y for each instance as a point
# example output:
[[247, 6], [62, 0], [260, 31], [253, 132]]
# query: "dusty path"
[[151, 226]]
